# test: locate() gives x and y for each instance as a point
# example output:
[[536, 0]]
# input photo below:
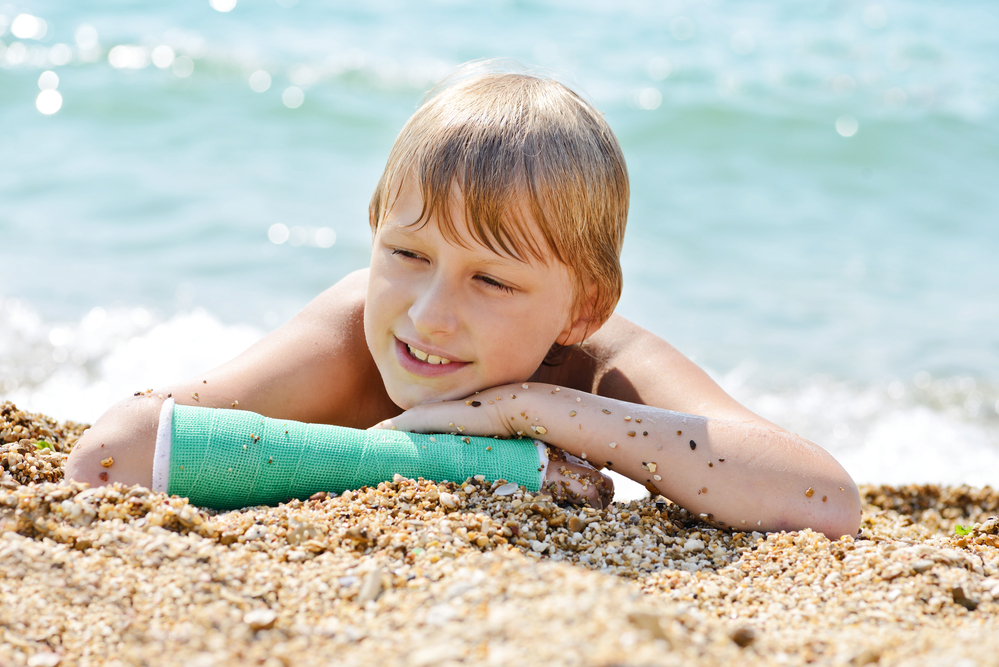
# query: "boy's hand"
[[482, 414]]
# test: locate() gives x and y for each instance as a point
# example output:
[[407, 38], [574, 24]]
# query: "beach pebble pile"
[[419, 573]]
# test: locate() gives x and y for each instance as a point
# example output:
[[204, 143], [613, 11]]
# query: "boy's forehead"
[[404, 216]]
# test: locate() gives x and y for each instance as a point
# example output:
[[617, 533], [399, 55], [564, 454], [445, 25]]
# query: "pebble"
[[115, 573], [260, 619]]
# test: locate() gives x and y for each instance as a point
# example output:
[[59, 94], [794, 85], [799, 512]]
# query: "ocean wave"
[[923, 429], [77, 370]]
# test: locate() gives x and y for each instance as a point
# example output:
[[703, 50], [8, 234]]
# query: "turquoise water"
[[813, 211]]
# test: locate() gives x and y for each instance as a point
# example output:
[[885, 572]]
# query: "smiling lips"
[[429, 358], [422, 363]]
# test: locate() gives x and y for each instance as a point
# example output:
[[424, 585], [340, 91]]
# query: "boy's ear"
[[585, 322]]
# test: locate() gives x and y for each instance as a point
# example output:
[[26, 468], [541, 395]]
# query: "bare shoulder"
[[633, 364], [315, 368]]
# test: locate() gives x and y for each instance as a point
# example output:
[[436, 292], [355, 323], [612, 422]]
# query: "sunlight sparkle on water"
[[86, 36], [649, 99], [277, 233], [26, 26], [260, 81], [48, 80], [16, 53], [293, 97], [183, 67], [317, 237], [128, 56], [847, 125], [325, 237], [163, 56], [60, 54], [48, 102], [222, 5], [303, 76], [659, 68]]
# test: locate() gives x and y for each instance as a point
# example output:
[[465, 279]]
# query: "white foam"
[[890, 432], [919, 445], [77, 371]]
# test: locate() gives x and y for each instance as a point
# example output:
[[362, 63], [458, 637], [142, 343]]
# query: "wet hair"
[[518, 146]]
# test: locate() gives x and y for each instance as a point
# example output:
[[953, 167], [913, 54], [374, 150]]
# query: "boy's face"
[[492, 317]]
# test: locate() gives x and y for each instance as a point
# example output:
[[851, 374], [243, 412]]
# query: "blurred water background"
[[814, 199]]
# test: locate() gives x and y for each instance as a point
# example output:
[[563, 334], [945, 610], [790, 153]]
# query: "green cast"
[[225, 459]]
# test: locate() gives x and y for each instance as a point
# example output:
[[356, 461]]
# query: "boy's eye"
[[495, 284], [406, 253]]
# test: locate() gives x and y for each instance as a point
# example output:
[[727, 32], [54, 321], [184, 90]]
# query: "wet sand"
[[418, 573]]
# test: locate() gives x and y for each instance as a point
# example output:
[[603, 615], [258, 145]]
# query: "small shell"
[[631, 434], [606, 411], [108, 462], [541, 429], [657, 478], [572, 413], [612, 445], [507, 489], [525, 386], [810, 492]]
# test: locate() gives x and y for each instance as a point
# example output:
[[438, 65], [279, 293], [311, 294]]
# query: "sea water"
[[813, 213]]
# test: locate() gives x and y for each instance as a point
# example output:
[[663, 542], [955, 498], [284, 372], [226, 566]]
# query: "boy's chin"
[[407, 400]]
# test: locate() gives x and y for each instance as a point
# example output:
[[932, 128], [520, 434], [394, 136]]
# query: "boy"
[[497, 227]]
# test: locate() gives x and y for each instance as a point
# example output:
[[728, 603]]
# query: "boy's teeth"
[[429, 358]]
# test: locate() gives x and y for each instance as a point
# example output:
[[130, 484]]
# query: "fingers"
[[476, 415], [575, 481]]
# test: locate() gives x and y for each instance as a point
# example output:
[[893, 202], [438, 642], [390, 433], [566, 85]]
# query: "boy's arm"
[[315, 368], [702, 449]]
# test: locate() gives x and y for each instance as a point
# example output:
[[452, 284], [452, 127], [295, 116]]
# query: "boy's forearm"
[[743, 476]]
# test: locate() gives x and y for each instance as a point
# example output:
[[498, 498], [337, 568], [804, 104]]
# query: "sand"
[[418, 573]]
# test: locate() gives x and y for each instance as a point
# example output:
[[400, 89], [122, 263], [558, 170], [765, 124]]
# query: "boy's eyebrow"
[[493, 259]]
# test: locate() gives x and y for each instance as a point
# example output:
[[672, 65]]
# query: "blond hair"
[[516, 144]]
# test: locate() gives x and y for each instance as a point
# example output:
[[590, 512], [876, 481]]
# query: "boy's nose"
[[434, 310]]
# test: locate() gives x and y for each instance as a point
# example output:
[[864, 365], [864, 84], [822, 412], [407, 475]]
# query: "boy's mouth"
[[422, 363], [423, 356]]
